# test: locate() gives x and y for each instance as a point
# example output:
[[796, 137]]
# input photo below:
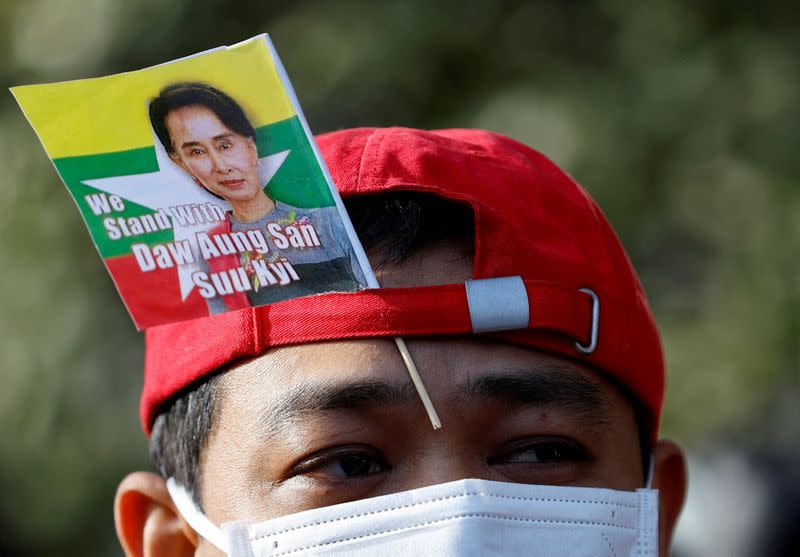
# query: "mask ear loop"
[[195, 518]]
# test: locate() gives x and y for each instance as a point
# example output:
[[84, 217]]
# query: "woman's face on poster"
[[218, 158]]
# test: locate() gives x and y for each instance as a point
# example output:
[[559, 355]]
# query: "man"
[[295, 427], [207, 134]]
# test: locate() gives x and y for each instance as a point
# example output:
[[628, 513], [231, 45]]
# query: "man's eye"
[[342, 465], [224, 146], [196, 152], [542, 452]]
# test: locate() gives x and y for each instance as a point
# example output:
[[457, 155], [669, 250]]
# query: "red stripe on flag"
[[154, 297]]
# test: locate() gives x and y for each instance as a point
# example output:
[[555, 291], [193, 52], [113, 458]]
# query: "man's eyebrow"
[[333, 395], [551, 386]]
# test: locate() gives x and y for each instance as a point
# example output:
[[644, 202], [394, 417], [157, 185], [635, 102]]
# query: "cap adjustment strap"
[[511, 307]]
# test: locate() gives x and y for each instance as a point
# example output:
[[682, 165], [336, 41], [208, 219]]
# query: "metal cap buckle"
[[588, 349]]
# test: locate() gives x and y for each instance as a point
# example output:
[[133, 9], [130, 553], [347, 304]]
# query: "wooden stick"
[[372, 282], [423, 393]]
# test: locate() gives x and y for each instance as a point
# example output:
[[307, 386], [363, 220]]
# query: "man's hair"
[[391, 226], [180, 95]]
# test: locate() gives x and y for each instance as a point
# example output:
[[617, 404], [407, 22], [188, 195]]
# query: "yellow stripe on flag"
[[107, 114]]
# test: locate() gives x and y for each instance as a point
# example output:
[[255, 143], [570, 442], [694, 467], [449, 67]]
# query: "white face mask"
[[460, 518]]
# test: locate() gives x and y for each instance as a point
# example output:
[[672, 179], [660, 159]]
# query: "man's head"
[[305, 425], [209, 136]]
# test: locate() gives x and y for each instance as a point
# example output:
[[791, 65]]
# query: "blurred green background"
[[680, 117]]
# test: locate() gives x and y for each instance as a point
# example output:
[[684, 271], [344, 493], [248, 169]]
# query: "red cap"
[[532, 221]]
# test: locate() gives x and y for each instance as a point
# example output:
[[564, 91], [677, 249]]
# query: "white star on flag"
[[171, 186]]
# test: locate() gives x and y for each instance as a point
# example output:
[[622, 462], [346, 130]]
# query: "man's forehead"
[[378, 358], [342, 361]]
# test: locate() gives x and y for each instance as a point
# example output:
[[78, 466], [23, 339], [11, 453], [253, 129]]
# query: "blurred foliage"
[[681, 118]]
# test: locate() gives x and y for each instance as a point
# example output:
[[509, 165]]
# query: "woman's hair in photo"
[[179, 95]]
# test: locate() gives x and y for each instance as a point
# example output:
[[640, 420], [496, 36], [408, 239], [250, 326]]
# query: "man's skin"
[[307, 426]]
